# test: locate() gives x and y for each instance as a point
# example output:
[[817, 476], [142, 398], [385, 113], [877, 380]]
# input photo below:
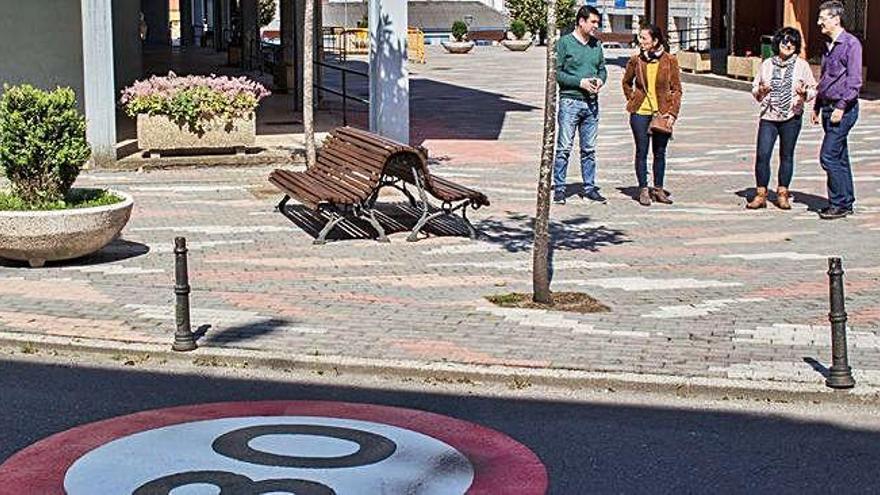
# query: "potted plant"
[[746, 67], [518, 38], [42, 150], [459, 43], [194, 112], [697, 62]]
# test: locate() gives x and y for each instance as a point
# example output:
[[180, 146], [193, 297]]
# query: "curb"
[[286, 157], [515, 377]]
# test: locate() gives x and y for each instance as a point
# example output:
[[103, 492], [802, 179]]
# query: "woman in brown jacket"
[[652, 86]]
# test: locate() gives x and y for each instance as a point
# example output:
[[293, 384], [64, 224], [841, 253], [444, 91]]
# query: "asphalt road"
[[589, 441]]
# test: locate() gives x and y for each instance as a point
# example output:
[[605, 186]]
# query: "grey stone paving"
[[698, 288]]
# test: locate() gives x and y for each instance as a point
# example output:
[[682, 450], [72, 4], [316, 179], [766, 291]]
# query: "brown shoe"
[[644, 197], [783, 198], [759, 201], [659, 195]]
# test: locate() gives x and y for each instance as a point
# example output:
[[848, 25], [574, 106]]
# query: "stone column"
[[389, 77], [657, 12], [287, 77], [299, 7], [100, 95], [198, 15], [187, 34], [250, 33]]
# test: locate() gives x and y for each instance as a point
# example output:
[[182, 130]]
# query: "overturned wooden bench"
[[351, 169]]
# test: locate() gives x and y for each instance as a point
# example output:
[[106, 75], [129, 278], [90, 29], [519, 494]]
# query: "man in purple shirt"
[[837, 105]]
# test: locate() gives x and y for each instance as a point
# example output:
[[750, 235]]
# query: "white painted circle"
[[419, 465]]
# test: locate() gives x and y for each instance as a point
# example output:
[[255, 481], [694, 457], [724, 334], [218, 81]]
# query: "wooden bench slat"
[[305, 185], [370, 161], [351, 177], [457, 192], [390, 143], [331, 194], [372, 145], [332, 184], [345, 159], [295, 190], [355, 181]]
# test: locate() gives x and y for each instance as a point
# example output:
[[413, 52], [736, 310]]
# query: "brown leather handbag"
[[660, 124]]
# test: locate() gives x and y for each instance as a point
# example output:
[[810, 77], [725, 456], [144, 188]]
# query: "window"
[[856, 16]]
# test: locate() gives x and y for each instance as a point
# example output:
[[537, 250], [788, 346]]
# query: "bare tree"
[[541, 252], [308, 80]]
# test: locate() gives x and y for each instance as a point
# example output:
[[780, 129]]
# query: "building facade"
[[740, 24], [687, 21]]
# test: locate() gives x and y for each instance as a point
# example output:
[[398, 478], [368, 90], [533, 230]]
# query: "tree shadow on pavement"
[[516, 233]]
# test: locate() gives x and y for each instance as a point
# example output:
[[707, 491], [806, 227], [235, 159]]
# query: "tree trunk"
[[541, 253], [308, 80]]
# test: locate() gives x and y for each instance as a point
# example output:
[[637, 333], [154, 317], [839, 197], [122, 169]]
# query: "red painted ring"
[[501, 464]]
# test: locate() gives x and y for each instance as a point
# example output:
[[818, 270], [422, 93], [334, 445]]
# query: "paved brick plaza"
[[699, 288]]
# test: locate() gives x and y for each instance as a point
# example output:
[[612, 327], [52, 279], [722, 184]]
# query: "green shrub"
[[42, 142], [76, 198], [459, 30], [518, 28], [534, 13]]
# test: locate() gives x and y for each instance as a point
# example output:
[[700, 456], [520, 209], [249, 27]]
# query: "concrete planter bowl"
[[41, 236], [517, 45], [458, 46], [158, 133]]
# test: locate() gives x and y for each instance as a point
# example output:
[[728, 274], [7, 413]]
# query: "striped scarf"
[[781, 86]]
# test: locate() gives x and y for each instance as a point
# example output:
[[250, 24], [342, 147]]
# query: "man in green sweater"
[[580, 72]]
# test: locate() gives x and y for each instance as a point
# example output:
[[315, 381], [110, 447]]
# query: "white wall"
[[41, 44]]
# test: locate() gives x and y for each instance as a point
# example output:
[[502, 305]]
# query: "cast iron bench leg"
[[371, 217], [322, 236], [414, 234], [472, 232]]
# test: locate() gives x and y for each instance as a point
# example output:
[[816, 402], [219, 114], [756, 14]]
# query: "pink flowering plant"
[[194, 100]]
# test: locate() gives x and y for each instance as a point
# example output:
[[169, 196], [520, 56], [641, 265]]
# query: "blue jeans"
[[834, 156], [581, 116], [640, 125], [787, 132]]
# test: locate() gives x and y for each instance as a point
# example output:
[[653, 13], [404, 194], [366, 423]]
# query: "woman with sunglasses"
[[783, 86]]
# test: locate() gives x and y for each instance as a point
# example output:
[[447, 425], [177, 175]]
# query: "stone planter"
[[41, 236], [458, 46], [696, 62], [743, 67], [517, 45], [157, 133]]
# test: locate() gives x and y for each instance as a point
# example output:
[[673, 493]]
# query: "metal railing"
[[343, 91]]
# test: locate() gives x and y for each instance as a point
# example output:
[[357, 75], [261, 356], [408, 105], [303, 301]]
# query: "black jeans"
[[788, 132], [640, 124]]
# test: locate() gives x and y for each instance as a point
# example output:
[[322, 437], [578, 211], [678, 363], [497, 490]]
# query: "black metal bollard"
[[184, 340], [840, 375]]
